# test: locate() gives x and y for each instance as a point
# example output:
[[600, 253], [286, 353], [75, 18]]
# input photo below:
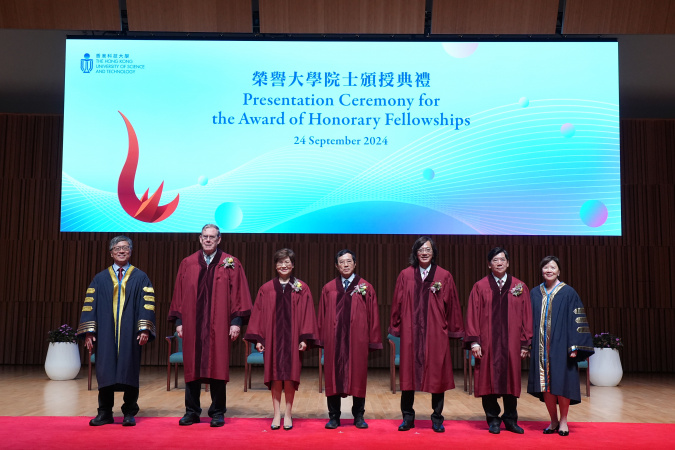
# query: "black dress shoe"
[[275, 427], [405, 426], [564, 433], [360, 423], [288, 427], [129, 421], [513, 428], [217, 421], [102, 419], [494, 429], [188, 419], [438, 427], [333, 424], [551, 430]]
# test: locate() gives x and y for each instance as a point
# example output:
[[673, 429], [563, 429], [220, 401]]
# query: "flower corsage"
[[436, 287], [296, 286], [517, 290], [360, 289], [229, 262]]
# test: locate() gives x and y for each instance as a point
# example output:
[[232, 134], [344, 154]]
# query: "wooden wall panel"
[[342, 16], [60, 15], [625, 282], [619, 17], [494, 17], [217, 16]]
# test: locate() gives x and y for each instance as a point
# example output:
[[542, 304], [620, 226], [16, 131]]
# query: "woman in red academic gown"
[[282, 324]]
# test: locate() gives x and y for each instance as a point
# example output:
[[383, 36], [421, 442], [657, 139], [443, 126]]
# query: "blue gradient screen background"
[[505, 138]]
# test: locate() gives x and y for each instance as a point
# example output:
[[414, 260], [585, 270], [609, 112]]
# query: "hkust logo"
[[86, 64], [145, 209]]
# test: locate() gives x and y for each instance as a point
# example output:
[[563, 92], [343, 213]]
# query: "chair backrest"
[[397, 343], [180, 342]]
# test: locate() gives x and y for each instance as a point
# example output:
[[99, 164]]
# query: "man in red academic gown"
[[499, 332], [425, 314], [210, 302], [349, 327]]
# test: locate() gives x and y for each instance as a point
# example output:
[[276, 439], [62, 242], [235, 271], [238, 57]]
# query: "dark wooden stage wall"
[[625, 282]]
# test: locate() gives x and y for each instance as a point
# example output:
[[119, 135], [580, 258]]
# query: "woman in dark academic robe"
[[425, 314], [561, 339], [282, 324]]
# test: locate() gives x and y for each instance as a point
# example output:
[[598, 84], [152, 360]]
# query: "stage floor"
[[26, 391]]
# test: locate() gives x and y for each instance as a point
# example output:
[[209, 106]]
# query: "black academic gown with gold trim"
[[116, 313], [560, 327]]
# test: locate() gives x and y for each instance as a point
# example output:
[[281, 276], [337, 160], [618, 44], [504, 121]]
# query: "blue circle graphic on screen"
[[524, 102], [460, 49], [567, 130], [428, 174], [203, 181], [593, 213], [229, 216]]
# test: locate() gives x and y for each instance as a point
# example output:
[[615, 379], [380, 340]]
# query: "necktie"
[[346, 283], [500, 283], [120, 274], [424, 274], [208, 259]]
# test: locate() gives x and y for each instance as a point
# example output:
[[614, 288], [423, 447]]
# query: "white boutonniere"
[[297, 286], [517, 290], [436, 287], [229, 262], [360, 289]]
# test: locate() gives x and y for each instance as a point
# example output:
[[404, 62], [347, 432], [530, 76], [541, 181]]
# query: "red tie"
[[120, 274], [500, 283]]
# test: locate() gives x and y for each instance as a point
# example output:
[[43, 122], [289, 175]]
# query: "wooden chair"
[[320, 370], [469, 364], [394, 359], [175, 358], [253, 358], [586, 365], [91, 358]]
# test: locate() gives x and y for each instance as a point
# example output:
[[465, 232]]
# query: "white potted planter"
[[605, 367], [63, 361]]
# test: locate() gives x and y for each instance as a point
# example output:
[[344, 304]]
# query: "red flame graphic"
[[144, 209]]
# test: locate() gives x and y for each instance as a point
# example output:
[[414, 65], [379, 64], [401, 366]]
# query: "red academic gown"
[[349, 327], [425, 321], [280, 321], [502, 325], [206, 300]]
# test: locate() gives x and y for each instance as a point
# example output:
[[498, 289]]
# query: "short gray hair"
[[210, 225], [117, 239]]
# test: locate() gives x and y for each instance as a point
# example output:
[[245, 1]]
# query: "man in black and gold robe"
[[118, 317]]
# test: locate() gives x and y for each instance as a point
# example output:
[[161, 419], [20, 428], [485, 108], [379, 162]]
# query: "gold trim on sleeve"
[[579, 310], [87, 308], [581, 320], [89, 299], [580, 347], [149, 289], [87, 327], [146, 325], [91, 290], [583, 330], [149, 307], [149, 298]]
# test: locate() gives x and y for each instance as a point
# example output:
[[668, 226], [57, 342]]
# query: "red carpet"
[[164, 433]]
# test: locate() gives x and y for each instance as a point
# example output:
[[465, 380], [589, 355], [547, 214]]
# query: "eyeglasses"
[[425, 250], [209, 238], [284, 264], [122, 248], [497, 260]]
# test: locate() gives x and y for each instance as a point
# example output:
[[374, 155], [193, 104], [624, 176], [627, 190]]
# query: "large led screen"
[[505, 138]]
